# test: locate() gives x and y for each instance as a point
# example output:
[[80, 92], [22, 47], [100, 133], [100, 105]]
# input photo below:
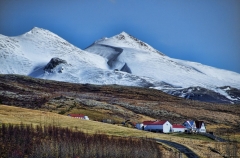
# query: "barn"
[[178, 128], [79, 116], [157, 126]]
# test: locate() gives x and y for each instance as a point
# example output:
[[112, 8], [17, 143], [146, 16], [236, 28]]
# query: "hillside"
[[17, 115], [114, 102]]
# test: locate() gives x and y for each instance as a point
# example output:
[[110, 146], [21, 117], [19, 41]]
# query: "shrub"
[[62, 112], [50, 141]]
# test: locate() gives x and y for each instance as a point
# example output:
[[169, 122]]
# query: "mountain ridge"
[[121, 59], [127, 40]]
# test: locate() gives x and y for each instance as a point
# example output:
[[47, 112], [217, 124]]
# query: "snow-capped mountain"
[[42, 54], [121, 59], [178, 77]]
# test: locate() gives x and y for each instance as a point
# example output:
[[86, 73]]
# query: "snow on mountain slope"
[[34, 49], [33, 52], [145, 62], [214, 77], [123, 50], [121, 59], [125, 40]]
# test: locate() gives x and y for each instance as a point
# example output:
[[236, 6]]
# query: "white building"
[[178, 128], [195, 126], [157, 126], [200, 127], [190, 126]]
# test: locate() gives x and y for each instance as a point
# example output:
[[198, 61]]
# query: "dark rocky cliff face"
[[53, 63], [125, 68]]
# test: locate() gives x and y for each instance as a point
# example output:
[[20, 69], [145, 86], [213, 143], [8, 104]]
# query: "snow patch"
[[222, 92]]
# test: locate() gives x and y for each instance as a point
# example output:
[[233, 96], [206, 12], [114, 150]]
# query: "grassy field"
[[192, 136], [16, 115]]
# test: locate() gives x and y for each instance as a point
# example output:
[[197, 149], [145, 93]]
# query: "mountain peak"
[[124, 36], [37, 33], [126, 40], [124, 33], [36, 30]]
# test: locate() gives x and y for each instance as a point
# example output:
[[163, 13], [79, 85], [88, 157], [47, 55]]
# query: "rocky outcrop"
[[54, 62], [225, 95], [125, 68]]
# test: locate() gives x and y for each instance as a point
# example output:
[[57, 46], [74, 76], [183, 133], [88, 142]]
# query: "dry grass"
[[16, 115], [204, 114]]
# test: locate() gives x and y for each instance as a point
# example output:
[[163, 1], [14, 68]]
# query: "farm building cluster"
[[79, 116], [189, 126]]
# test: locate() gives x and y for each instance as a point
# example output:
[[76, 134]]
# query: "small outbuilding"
[[157, 126], [178, 128], [79, 116]]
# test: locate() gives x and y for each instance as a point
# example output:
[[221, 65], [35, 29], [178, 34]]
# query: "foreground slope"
[[16, 115]]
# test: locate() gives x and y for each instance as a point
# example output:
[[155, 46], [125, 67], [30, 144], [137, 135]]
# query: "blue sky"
[[205, 31]]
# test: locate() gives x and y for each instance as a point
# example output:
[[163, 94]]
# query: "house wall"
[[178, 129], [86, 118], [202, 129], [167, 127], [153, 128], [139, 126], [79, 117], [189, 127]]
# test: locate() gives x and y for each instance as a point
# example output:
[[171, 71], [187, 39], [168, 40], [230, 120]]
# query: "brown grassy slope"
[[118, 103], [16, 115]]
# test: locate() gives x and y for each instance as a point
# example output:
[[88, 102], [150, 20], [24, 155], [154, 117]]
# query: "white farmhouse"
[[195, 126], [178, 128], [190, 126], [157, 126], [200, 127]]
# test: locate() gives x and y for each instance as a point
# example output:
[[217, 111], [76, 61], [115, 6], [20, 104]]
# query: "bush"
[[62, 112], [50, 141]]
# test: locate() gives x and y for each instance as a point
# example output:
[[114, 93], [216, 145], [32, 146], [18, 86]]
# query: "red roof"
[[76, 115], [177, 126], [154, 122]]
